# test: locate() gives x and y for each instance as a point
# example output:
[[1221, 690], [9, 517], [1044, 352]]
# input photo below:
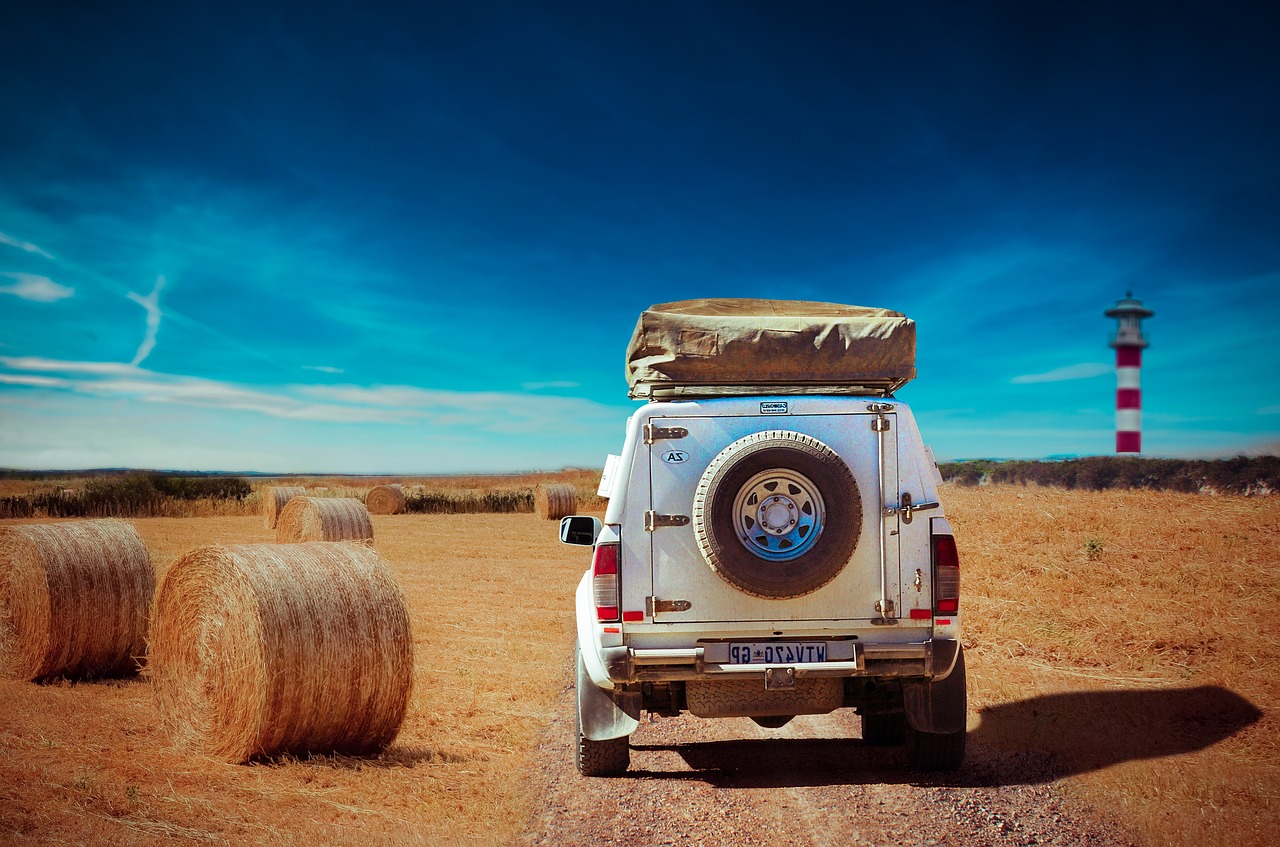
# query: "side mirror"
[[580, 529]]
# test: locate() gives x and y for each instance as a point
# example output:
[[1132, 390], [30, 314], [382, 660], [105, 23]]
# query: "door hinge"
[[879, 423], [663, 433], [652, 606], [653, 520]]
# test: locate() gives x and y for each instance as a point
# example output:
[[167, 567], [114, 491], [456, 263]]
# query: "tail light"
[[604, 581], [946, 575]]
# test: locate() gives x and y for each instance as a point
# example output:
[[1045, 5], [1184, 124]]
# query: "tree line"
[[1246, 475]]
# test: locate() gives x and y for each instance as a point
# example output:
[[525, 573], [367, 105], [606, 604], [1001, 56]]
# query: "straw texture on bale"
[[324, 519], [385, 500], [555, 500], [274, 500], [261, 650], [74, 599]]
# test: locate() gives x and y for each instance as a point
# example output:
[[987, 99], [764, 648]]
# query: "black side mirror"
[[580, 529]]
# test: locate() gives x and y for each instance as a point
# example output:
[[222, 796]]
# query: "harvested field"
[[1117, 648]]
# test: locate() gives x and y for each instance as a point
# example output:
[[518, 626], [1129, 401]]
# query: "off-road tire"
[[940, 751], [602, 758], [934, 751], [884, 729], [714, 518], [597, 758]]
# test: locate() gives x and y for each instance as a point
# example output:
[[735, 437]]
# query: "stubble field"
[[1121, 641]]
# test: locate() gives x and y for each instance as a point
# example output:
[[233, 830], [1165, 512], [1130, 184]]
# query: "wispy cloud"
[[1085, 370], [1270, 410], [324, 369], [25, 246], [539, 386], [152, 304], [40, 289], [399, 404]]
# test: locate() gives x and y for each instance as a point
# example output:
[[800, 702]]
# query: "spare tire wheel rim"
[[745, 504], [778, 514]]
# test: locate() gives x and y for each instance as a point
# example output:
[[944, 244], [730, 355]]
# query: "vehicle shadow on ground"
[[1027, 742]]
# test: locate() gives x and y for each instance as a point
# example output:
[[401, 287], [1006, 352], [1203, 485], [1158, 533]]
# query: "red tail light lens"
[[946, 575], [604, 581]]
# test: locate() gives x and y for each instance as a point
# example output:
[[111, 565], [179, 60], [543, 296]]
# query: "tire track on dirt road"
[[730, 783]]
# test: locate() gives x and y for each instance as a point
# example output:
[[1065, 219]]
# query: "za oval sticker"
[[675, 457]]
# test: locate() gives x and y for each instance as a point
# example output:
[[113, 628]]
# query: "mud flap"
[[600, 718], [939, 706]]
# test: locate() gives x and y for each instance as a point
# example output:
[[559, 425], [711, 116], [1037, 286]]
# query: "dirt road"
[[730, 783]]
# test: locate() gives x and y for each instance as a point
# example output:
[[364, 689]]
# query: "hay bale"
[[554, 500], [385, 500], [324, 519], [265, 649], [274, 500], [74, 598]]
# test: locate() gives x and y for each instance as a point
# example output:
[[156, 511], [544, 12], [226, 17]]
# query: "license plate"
[[774, 653]]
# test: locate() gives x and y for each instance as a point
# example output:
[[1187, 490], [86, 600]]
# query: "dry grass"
[[74, 598], [1125, 635], [490, 604], [264, 649], [1116, 634]]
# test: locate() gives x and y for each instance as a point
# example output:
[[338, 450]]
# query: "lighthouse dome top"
[[1129, 306]]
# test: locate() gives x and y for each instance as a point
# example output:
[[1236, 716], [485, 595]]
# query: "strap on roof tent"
[[684, 391]]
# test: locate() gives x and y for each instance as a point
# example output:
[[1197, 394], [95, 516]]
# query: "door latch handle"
[[907, 508]]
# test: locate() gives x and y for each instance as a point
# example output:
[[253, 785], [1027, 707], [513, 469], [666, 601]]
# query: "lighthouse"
[[1128, 342]]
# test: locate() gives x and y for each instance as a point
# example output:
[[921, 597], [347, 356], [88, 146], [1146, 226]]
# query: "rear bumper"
[[931, 659]]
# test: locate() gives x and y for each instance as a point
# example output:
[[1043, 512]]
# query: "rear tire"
[[597, 758], [941, 751], [934, 751]]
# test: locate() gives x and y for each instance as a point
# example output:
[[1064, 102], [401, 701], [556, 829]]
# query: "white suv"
[[772, 547]]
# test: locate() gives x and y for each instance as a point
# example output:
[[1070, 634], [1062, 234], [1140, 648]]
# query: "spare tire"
[[777, 514]]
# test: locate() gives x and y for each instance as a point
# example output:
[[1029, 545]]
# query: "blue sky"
[[414, 238]]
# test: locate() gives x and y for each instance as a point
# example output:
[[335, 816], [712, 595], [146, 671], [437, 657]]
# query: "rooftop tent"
[[729, 346]]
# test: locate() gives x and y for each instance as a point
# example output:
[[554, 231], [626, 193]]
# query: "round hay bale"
[[74, 599], [265, 649], [555, 500], [385, 500], [274, 500], [324, 519]]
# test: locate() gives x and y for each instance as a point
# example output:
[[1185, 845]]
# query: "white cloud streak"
[[324, 369], [25, 246], [152, 304], [394, 404], [1086, 370], [39, 289], [539, 386]]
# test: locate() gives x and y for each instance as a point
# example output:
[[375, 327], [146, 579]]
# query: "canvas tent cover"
[[716, 347]]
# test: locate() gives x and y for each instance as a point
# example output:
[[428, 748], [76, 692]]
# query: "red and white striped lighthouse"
[[1129, 342]]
